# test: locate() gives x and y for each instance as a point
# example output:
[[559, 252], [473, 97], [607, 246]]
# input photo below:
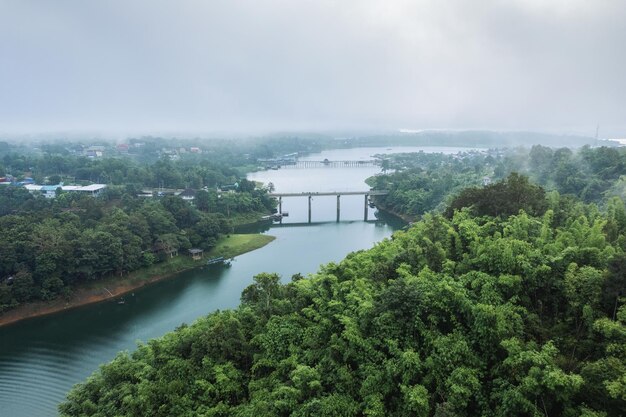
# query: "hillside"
[[472, 315]]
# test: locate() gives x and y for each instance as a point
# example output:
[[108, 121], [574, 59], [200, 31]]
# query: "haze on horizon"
[[263, 65]]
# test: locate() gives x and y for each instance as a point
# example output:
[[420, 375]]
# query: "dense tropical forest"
[[421, 182], [49, 246], [510, 303]]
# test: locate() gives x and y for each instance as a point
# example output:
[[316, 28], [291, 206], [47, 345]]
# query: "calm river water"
[[42, 358]]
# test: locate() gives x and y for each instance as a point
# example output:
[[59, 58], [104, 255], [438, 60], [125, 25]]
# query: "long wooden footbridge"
[[310, 194]]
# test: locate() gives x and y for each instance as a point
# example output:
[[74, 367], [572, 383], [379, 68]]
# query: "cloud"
[[269, 64]]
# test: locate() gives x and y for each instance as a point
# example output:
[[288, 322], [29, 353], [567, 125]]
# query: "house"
[[50, 191], [231, 187], [94, 151], [92, 190], [32, 188], [171, 154], [188, 195], [196, 254], [170, 251]]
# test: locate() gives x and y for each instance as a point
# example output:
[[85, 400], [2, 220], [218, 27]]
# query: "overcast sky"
[[266, 65]]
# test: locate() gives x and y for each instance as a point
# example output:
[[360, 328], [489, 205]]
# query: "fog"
[[265, 65]]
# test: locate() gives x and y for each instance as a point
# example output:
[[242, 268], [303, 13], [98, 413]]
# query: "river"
[[42, 358]]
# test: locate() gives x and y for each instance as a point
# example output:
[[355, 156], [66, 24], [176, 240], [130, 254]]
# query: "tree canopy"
[[504, 198], [49, 246], [468, 315]]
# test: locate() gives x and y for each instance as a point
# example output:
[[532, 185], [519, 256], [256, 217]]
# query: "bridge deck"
[[281, 163], [326, 193]]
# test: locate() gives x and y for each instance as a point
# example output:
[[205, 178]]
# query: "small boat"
[[219, 261], [275, 217], [214, 261]]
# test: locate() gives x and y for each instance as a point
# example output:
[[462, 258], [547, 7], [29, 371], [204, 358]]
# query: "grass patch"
[[233, 245], [227, 246], [241, 219]]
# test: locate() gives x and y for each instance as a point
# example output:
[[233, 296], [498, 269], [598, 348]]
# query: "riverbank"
[[247, 219], [113, 287], [404, 217]]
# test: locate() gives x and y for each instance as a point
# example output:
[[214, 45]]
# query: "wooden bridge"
[[312, 194]]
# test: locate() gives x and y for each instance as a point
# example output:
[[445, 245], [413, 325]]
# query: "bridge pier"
[[338, 207], [366, 195]]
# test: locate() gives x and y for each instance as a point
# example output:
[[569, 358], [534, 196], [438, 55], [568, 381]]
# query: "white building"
[[49, 191]]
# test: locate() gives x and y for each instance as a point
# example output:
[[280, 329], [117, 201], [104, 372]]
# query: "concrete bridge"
[[294, 163], [312, 194], [333, 164]]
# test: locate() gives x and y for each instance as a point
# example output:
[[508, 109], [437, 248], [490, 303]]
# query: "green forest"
[[421, 182], [48, 247], [508, 302]]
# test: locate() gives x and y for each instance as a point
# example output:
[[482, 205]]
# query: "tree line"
[[148, 161]]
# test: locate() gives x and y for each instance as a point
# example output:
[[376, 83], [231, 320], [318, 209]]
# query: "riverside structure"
[[311, 194]]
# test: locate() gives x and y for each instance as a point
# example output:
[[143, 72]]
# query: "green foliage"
[[504, 198], [472, 315], [424, 182], [48, 247]]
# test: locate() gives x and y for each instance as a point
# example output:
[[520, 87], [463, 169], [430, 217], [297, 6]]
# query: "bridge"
[[334, 164], [310, 195], [281, 163]]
